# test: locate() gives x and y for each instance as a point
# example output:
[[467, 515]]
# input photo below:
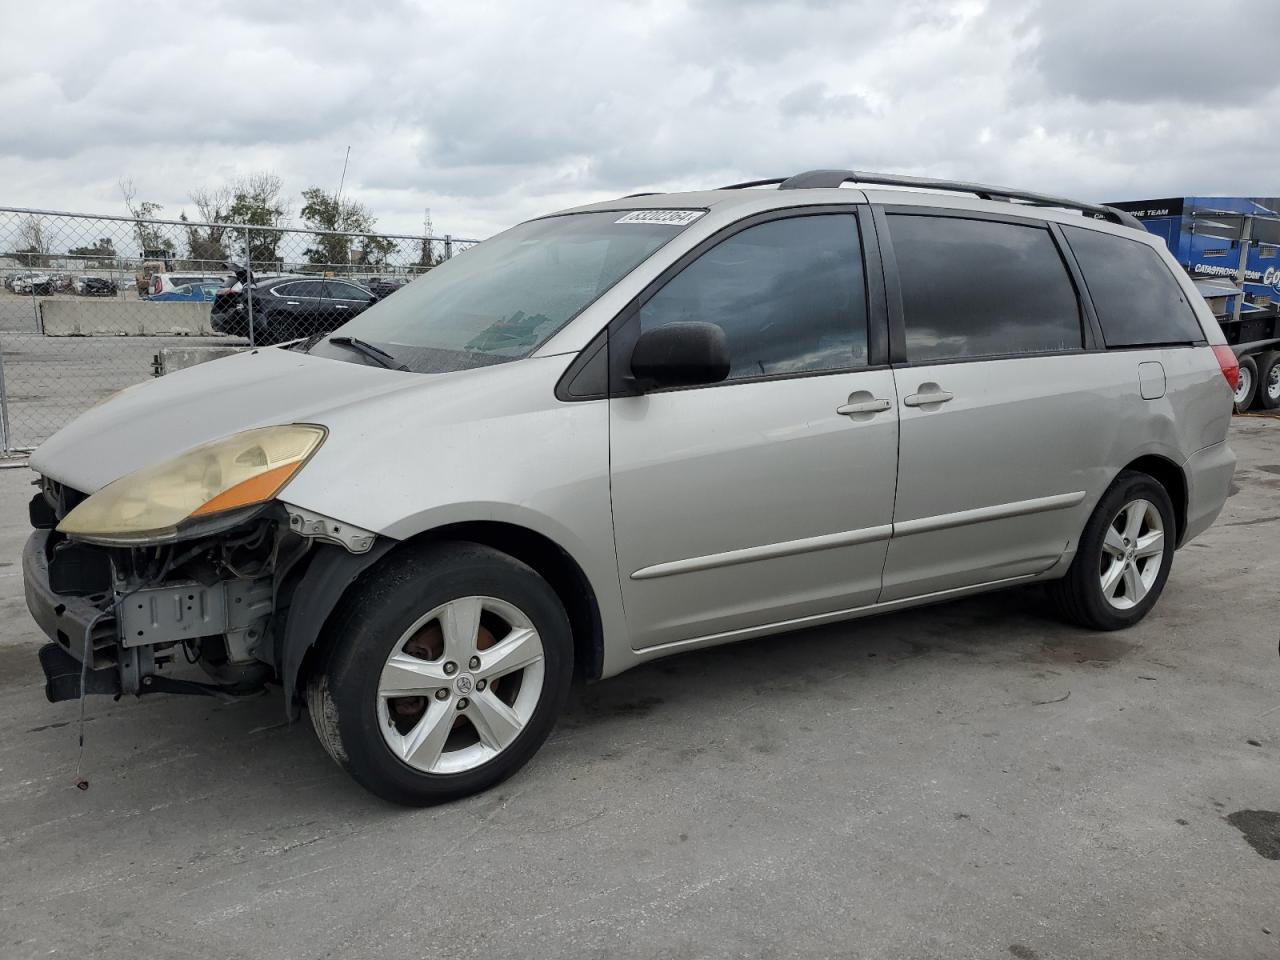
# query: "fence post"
[[35, 263], [448, 247], [4, 408], [248, 281]]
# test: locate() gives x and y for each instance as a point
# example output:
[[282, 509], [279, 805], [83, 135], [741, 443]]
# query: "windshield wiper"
[[369, 350]]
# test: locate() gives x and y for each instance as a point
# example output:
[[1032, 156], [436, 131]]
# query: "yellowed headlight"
[[238, 471]]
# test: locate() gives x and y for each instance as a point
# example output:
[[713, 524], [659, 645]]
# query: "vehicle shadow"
[[1009, 626], [166, 739]]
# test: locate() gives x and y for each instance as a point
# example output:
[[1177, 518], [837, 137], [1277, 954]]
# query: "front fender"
[[329, 573]]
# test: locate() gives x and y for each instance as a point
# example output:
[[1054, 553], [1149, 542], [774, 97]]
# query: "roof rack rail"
[[818, 179]]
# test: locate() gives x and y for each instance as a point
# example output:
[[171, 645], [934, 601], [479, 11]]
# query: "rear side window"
[[1136, 296], [979, 288], [345, 291], [301, 288], [789, 294]]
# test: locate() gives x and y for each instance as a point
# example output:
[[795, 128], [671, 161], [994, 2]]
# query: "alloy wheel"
[[460, 685], [1132, 554]]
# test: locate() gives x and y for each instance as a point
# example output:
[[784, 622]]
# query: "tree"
[[430, 254], [375, 249], [152, 242], [93, 255], [256, 202], [34, 251], [322, 211], [207, 241]]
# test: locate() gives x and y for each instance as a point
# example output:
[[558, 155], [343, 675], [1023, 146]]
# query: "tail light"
[[155, 285], [1229, 364]]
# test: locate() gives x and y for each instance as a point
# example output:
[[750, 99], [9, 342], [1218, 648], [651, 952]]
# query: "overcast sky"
[[491, 112]]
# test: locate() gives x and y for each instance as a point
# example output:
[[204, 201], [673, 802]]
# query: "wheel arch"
[[1170, 476], [318, 591], [554, 564]]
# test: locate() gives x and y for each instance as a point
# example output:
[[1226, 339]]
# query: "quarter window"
[[1137, 298], [789, 294], [980, 288]]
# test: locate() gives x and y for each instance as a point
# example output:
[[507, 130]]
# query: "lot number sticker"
[[675, 218]]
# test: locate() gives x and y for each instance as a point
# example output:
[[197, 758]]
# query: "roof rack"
[[818, 179]]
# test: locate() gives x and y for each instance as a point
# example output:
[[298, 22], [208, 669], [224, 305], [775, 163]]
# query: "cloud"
[[491, 112]]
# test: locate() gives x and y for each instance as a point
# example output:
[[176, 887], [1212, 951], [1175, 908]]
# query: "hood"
[[161, 418]]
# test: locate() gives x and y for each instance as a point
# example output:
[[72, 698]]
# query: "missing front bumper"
[[116, 641]]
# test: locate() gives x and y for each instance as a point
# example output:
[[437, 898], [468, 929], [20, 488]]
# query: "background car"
[[383, 287], [168, 282], [94, 286], [188, 293], [286, 308], [36, 284]]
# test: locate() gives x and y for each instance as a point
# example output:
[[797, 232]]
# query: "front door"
[[767, 498]]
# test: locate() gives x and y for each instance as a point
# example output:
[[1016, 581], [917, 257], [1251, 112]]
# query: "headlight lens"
[[238, 471]]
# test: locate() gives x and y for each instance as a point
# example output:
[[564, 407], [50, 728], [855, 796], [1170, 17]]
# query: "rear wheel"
[[448, 668], [1269, 381], [1123, 559], [1246, 385]]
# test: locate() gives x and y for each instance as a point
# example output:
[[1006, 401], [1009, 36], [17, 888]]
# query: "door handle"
[[863, 406], [291, 303], [929, 393]]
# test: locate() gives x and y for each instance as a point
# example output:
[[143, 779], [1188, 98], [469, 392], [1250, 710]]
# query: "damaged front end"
[[222, 593]]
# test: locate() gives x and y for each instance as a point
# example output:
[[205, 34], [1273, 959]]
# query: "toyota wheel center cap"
[[464, 683]]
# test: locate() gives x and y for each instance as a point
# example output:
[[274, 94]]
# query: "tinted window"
[[300, 288], [789, 295], [976, 288], [1136, 296], [346, 291]]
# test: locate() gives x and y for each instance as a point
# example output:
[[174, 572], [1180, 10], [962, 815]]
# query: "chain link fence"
[[88, 302]]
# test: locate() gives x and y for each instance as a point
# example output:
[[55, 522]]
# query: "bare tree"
[[213, 206], [34, 251], [151, 239]]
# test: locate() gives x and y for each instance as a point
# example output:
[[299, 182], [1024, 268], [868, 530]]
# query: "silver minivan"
[[632, 429]]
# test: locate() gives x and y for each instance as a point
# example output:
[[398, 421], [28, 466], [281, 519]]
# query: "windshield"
[[501, 299]]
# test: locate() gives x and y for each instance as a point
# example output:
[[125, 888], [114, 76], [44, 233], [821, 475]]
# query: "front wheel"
[[1123, 559], [447, 668]]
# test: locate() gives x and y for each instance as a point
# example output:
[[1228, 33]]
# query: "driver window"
[[789, 294]]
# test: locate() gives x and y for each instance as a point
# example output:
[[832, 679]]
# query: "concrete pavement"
[[969, 780]]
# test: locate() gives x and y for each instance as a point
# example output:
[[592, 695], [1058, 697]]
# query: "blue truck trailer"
[[1230, 246]]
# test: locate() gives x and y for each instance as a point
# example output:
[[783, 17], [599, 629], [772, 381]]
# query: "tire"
[[1269, 381], [453, 740], [1247, 387], [1081, 595]]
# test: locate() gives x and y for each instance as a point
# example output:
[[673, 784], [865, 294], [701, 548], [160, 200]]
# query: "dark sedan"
[[383, 287], [287, 308]]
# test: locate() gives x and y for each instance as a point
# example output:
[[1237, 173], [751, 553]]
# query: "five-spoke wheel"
[[442, 672], [1123, 557], [1132, 554], [460, 685]]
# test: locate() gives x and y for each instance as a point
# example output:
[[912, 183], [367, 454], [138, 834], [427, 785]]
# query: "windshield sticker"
[[674, 218]]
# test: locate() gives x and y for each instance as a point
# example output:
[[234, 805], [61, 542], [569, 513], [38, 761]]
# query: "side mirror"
[[680, 355]]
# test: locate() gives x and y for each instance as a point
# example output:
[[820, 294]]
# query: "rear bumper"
[[1209, 473]]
